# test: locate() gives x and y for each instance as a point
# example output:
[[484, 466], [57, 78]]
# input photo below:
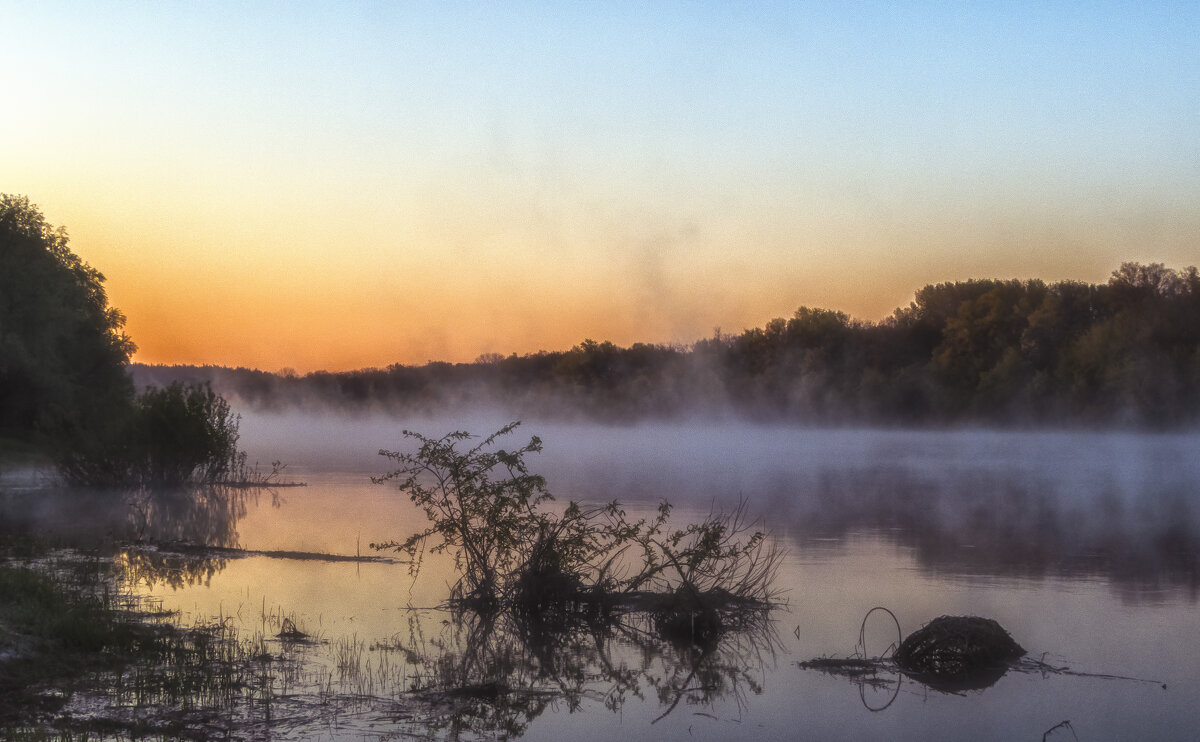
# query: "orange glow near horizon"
[[343, 187], [222, 294], [272, 327], [220, 286]]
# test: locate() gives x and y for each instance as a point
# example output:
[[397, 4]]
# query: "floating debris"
[[951, 654], [958, 648], [289, 632]]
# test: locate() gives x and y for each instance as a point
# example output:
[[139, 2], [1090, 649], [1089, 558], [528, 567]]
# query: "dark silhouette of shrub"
[[957, 647], [490, 513], [171, 436]]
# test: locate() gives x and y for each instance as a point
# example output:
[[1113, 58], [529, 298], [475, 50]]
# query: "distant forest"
[[1012, 352]]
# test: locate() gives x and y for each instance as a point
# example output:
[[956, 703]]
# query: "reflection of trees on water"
[[206, 516], [494, 675], [203, 515], [189, 521], [171, 569], [1146, 541], [162, 535]]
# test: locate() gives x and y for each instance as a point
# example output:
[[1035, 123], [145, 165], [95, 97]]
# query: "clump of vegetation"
[[705, 578], [168, 437], [951, 654], [38, 608], [957, 647], [513, 552]]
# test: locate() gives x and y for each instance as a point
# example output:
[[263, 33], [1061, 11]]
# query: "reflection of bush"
[[184, 532], [205, 515], [493, 675], [172, 570]]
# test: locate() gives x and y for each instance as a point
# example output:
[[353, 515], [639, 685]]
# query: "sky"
[[346, 185]]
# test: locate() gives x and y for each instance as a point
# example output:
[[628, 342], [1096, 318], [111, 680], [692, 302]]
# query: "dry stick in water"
[[1042, 666]]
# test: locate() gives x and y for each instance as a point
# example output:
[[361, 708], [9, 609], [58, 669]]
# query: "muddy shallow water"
[[1086, 547]]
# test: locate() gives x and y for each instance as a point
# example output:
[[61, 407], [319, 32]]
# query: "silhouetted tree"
[[63, 353]]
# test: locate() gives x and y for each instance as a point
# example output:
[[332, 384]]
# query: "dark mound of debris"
[[957, 648]]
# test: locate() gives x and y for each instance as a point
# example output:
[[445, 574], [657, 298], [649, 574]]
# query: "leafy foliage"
[[484, 507], [170, 436], [64, 383], [63, 353], [487, 510], [722, 553]]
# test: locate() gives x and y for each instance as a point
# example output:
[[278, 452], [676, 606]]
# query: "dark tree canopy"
[[63, 354]]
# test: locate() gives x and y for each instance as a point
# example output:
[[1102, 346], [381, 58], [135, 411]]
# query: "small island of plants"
[[517, 553]]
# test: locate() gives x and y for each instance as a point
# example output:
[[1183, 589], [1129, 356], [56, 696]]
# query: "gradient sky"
[[340, 185]]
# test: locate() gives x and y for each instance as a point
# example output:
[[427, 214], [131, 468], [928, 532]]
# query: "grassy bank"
[[55, 632], [82, 659]]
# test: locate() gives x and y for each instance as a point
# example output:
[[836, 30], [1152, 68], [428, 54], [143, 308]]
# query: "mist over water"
[[722, 459], [1121, 505], [1085, 545]]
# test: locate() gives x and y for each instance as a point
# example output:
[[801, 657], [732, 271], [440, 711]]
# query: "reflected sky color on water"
[[1084, 546]]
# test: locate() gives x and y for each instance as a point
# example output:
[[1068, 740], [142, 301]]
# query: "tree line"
[[984, 351]]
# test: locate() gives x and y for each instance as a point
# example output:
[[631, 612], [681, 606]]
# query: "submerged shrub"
[[489, 512], [483, 507], [188, 433], [170, 436]]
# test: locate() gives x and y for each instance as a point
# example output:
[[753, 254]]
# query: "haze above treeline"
[[983, 351]]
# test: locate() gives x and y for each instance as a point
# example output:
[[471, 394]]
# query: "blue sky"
[[340, 185]]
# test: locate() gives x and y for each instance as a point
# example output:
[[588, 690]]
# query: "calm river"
[[1085, 546]]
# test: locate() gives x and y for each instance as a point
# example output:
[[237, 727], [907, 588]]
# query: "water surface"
[[1086, 547]]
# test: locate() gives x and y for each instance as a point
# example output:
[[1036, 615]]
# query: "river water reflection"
[[1086, 547]]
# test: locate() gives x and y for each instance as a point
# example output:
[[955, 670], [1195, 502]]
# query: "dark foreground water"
[[1086, 547]]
